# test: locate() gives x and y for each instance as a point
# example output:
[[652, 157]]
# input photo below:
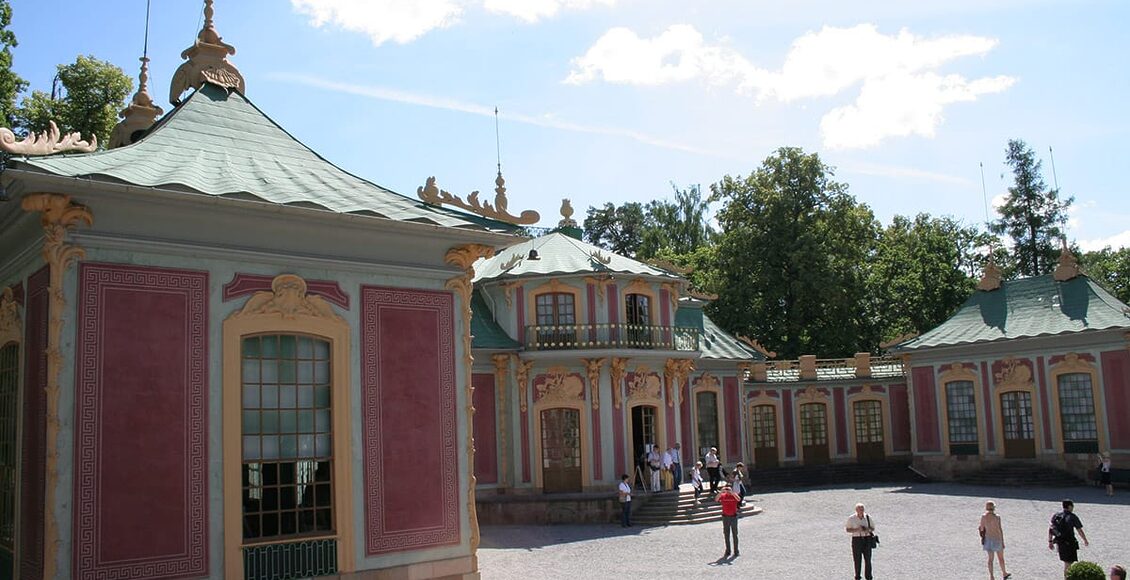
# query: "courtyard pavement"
[[926, 531]]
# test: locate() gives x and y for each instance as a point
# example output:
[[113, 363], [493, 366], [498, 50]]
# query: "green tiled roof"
[[714, 343], [485, 331], [218, 143], [561, 254], [1028, 307]]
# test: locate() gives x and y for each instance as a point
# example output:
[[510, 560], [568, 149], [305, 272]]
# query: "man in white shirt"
[[676, 464], [861, 527], [625, 502], [655, 464], [668, 466]]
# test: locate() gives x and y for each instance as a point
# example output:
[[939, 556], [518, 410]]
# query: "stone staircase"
[[799, 477], [1021, 473], [671, 508]]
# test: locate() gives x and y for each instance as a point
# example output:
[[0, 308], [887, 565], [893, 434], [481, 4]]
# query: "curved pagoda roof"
[[1026, 308], [561, 254], [218, 143]]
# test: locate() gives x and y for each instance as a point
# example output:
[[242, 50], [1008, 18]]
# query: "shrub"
[[1085, 571]]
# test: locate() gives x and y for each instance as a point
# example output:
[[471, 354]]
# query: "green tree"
[[617, 229], [791, 258], [1033, 215], [11, 84], [93, 92], [678, 227], [923, 269], [1111, 269]]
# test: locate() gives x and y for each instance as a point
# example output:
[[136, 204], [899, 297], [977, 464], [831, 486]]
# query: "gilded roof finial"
[[566, 215], [207, 61], [139, 115], [431, 193], [1068, 266], [991, 279]]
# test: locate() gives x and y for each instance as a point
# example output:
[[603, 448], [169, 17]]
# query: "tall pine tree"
[[1033, 215]]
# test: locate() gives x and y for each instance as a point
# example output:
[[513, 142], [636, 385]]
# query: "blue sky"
[[613, 100]]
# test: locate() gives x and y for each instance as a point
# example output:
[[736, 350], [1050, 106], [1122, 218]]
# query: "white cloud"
[[999, 200], [1116, 241], [900, 91], [535, 10], [382, 20]]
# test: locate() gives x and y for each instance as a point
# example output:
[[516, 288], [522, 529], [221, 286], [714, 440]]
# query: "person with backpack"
[[1061, 535]]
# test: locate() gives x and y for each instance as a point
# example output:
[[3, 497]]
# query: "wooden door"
[[561, 450], [1016, 420], [763, 422], [869, 431], [814, 433]]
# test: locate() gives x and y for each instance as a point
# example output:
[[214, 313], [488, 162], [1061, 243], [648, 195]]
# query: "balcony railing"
[[808, 368], [597, 336]]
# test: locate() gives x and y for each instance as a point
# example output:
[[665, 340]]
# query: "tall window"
[[287, 438], [1077, 413], [9, 414], [764, 426], [961, 410], [813, 424], [637, 314], [706, 407], [556, 319], [868, 422]]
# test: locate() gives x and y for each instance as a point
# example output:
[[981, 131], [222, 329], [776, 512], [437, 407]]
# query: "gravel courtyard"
[[927, 531]]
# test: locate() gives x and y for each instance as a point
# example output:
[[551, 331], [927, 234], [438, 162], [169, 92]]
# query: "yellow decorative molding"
[[811, 394], [616, 372], [139, 115], [464, 258], [600, 258], [638, 286], [707, 381], [675, 371], [592, 367], [601, 283], [1014, 375], [1068, 266], [501, 372], [645, 385], [206, 61], [288, 300], [431, 193], [59, 216], [522, 375], [11, 325], [560, 386], [46, 143]]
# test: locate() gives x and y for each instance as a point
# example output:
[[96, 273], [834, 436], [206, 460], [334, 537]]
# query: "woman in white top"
[[696, 479], [625, 493]]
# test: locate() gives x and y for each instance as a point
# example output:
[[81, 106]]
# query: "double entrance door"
[[814, 433], [561, 450], [1016, 423], [869, 431], [763, 428]]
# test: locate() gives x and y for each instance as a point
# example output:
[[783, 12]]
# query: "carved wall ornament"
[[616, 373], [707, 381], [559, 385], [592, 367], [522, 375], [644, 385], [46, 143], [59, 216], [287, 300], [464, 258], [603, 259], [501, 373], [206, 61], [637, 286], [865, 390], [1073, 363], [811, 394], [1068, 266], [676, 371], [1013, 375], [139, 115], [601, 282], [508, 291], [756, 346], [11, 325], [431, 193], [513, 261]]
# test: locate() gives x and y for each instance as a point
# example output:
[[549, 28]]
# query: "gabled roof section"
[[485, 331], [560, 254], [718, 344], [1025, 308], [218, 143]]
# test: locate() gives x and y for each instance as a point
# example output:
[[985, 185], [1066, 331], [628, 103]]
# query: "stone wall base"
[[451, 569], [542, 509]]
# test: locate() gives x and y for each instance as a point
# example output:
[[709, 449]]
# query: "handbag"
[[872, 540]]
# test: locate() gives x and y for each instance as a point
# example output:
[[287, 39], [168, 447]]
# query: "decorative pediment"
[[559, 385], [811, 394], [46, 143], [1013, 375], [11, 325], [287, 300], [431, 193], [644, 384], [638, 286], [706, 381], [1073, 363]]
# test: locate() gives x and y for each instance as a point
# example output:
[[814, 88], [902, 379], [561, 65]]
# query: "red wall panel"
[[990, 435], [409, 419], [1116, 386], [900, 418], [486, 429], [1044, 402], [840, 404], [789, 428], [926, 409], [33, 472], [141, 423], [733, 419]]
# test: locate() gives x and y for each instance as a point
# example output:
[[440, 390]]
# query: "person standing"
[[729, 501], [992, 537], [712, 467], [739, 481], [676, 464], [655, 464], [668, 469], [1061, 535], [1104, 474], [696, 479], [861, 527], [625, 502]]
